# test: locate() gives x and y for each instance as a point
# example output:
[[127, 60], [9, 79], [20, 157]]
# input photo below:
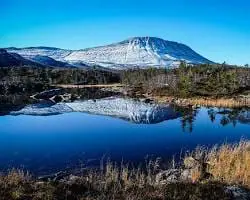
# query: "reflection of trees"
[[188, 118], [226, 116], [231, 116], [224, 120], [13, 102], [212, 114]]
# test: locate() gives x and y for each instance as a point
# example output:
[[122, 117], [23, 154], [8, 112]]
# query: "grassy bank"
[[208, 173], [225, 102]]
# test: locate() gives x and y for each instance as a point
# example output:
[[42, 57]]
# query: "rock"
[[60, 175], [238, 193], [172, 178], [61, 98], [72, 179], [39, 183], [186, 175], [168, 176], [53, 177], [49, 93], [147, 100], [198, 164], [190, 163], [57, 98]]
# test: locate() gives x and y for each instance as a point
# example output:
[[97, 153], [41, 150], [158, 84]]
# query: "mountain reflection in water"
[[135, 111], [128, 109]]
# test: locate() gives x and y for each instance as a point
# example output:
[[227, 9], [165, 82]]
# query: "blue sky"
[[217, 29]]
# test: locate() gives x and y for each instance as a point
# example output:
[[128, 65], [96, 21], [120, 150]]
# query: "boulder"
[[238, 193], [168, 176], [186, 175], [49, 93], [190, 163]]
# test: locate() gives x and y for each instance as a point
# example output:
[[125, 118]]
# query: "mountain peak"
[[148, 39], [142, 40]]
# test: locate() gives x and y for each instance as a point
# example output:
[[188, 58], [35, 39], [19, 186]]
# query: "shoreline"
[[237, 102], [203, 174], [230, 102], [68, 86]]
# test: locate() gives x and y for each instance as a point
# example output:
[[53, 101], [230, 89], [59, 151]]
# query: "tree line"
[[186, 81], [17, 79]]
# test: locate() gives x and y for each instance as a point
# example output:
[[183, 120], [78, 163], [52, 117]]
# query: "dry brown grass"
[[228, 163], [114, 183], [124, 177], [221, 102], [231, 163], [15, 177], [206, 101]]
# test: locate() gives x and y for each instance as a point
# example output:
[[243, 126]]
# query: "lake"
[[46, 137]]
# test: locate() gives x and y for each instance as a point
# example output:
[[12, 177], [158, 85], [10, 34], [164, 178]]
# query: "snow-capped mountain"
[[140, 52], [128, 109]]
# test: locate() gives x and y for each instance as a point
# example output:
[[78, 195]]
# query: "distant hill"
[[13, 59], [9, 59], [48, 61]]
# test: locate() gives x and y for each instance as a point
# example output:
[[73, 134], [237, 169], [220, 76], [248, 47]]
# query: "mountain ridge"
[[139, 52]]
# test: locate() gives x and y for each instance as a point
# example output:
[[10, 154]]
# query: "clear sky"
[[217, 29]]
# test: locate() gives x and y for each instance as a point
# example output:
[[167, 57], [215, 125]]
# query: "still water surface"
[[45, 143]]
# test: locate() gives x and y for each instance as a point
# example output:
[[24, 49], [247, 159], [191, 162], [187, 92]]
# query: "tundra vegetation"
[[216, 173]]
